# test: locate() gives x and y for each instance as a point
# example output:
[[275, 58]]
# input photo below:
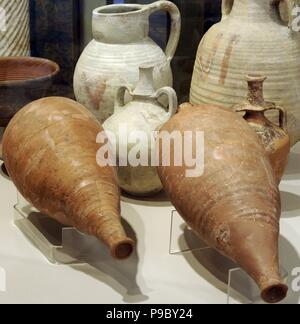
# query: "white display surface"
[[152, 275]]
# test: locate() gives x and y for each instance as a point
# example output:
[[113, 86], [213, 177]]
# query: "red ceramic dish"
[[22, 80]]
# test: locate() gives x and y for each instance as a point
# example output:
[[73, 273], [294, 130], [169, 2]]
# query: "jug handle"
[[174, 12], [226, 8], [120, 97], [285, 9], [283, 116], [172, 99]]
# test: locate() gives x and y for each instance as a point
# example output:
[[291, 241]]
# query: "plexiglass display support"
[[241, 288], [59, 244]]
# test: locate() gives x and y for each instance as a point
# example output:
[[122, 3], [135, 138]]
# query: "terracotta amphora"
[[254, 36], [234, 204]]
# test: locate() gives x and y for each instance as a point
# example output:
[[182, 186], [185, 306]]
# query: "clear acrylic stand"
[[241, 288], [59, 244]]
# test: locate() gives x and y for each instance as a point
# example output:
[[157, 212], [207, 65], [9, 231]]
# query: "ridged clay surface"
[[251, 38], [15, 28], [120, 46], [49, 149], [235, 205]]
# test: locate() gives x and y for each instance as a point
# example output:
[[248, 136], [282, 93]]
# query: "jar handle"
[[226, 8], [172, 99], [285, 9], [174, 12], [240, 108], [283, 116], [120, 97]]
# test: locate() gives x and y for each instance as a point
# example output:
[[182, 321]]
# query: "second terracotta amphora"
[[253, 37], [274, 138], [234, 206]]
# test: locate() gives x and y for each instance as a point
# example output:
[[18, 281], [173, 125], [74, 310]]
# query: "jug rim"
[[116, 10]]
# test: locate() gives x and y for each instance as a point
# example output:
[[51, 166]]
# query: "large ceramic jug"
[[252, 37], [143, 115], [121, 44], [14, 28]]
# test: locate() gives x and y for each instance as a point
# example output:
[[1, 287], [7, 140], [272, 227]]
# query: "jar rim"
[[116, 10]]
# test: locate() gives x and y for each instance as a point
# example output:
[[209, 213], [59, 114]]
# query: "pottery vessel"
[[14, 28], [253, 37], [143, 114], [22, 80], [234, 206], [49, 150], [120, 46], [274, 138]]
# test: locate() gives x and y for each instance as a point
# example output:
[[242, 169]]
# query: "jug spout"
[[120, 23]]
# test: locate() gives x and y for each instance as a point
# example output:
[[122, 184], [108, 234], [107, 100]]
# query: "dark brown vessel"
[[274, 138], [22, 80]]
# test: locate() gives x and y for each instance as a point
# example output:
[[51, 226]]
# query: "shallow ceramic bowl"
[[22, 80]]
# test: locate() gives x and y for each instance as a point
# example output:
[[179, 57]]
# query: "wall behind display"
[[197, 17], [86, 13], [55, 31]]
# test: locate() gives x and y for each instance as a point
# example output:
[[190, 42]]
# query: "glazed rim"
[[118, 10], [54, 67]]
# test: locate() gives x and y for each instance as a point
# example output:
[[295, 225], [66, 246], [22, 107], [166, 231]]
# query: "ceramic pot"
[[251, 38], [274, 138], [121, 45], [234, 206], [14, 28], [49, 151], [143, 114], [22, 80]]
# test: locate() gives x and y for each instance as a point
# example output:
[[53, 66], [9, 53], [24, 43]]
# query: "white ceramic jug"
[[139, 119], [120, 46]]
